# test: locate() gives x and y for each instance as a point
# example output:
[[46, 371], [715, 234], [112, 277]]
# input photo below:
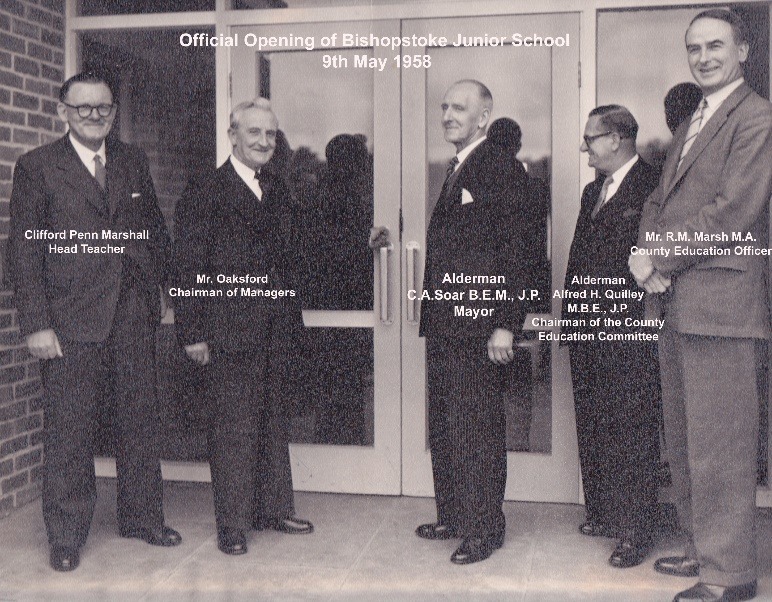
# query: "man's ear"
[[61, 110]]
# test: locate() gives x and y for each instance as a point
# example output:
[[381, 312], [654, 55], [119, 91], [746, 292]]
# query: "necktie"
[[602, 196], [100, 173], [694, 129], [258, 190], [451, 167]]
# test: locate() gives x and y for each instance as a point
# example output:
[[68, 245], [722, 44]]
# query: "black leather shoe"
[[734, 593], [680, 566], [436, 531], [630, 551], [165, 536], [64, 559], [291, 525], [475, 549], [594, 529], [231, 542]]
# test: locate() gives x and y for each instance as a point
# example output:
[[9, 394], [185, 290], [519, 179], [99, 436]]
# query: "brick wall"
[[31, 71]]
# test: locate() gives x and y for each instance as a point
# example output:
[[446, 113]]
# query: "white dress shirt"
[[247, 174], [87, 155]]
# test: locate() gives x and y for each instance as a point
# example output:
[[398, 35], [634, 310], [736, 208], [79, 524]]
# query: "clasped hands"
[[646, 275]]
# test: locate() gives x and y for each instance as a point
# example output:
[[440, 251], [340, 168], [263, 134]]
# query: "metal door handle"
[[384, 282], [410, 258]]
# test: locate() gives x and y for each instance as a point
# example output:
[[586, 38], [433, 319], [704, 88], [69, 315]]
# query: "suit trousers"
[[467, 434], [711, 406], [616, 396], [73, 394], [248, 438]]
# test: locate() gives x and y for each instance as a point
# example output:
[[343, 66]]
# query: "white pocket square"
[[466, 197], [135, 195]]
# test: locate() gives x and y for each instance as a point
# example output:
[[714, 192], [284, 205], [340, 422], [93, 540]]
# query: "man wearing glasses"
[[614, 369], [88, 253]]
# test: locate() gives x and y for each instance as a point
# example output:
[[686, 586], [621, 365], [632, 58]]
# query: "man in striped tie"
[[699, 257]]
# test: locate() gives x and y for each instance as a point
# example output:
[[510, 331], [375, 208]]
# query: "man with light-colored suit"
[[711, 290], [85, 298]]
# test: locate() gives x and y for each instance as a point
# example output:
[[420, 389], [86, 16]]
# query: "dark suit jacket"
[[723, 186], [601, 246], [76, 294], [479, 238], [223, 230]]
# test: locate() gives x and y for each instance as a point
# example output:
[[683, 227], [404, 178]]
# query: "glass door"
[[535, 82], [339, 148]]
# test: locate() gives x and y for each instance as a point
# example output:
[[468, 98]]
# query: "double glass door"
[[362, 143]]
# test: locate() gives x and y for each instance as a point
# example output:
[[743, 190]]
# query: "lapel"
[[76, 175], [239, 196], [118, 176], [706, 135], [621, 198], [461, 178]]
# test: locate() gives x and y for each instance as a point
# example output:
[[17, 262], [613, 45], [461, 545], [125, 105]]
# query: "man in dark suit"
[[616, 417], [712, 292], [88, 254], [472, 233], [231, 237]]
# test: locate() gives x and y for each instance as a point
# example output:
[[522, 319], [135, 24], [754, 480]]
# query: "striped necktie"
[[602, 196], [100, 173], [694, 129]]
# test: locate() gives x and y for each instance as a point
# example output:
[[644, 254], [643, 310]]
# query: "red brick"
[[58, 58], [14, 410], [28, 30], [37, 51], [28, 459], [12, 43], [33, 370], [10, 153], [5, 22], [29, 137], [5, 134], [26, 101], [6, 430], [29, 423], [56, 6], [6, 59], [15, 482], [6, 467], [6, 393], [12, 446], [5, 320], [13, 6], [5, 96], [40, 16], [36, 437], [49, 106], [11, 374], [26, 66], [36, 404], [58, 23], [5, 193], [38, 87], [6, 172], [26, 389], [25, 496], [36, 474], [52, 38], [11, 79], [56, 75], [6, 505], [41, 122]]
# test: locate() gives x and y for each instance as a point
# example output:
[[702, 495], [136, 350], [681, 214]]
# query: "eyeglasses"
[[85, 111], [588, 140]]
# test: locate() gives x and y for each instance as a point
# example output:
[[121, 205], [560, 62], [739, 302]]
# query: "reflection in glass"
[[525, 96], [330, 172], [335, 384]]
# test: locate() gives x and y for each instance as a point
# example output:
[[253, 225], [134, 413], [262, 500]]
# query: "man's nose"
[[583, 147]]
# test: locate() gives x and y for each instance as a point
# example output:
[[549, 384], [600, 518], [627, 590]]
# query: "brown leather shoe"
[[733, 593], [436, 531], [64, 559], [679, 566]]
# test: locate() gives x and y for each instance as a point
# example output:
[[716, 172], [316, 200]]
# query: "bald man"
[[474, 231]]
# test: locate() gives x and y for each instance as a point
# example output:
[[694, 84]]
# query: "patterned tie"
[[694, 129], [451, 168], [259, 191], [100, 173], [602, 196]]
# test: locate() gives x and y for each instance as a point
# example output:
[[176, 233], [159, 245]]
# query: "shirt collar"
[[245, 172], [467, 150], [620, 173], [86, 154], [714, 100]]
